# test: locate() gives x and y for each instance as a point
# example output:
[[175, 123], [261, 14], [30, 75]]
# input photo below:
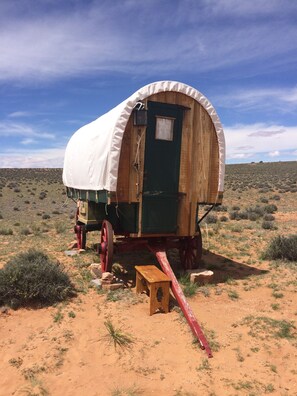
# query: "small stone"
[[202, 277], [71, 252], [107, 276], [96, 283], [112, 286], [4, 310], [96, 270]]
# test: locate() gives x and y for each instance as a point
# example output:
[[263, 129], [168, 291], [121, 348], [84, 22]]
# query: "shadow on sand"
[[224, 268]]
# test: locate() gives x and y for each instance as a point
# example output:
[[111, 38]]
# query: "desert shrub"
[[253, 216], [233, 215], [268, 217], [282, 247], [25, 231], [6, 231], [1, 217], [268, 225], [264, 190], [276, 197], [236, 228], [270, 208], [264, 200], [220, 208], [16, 208], [224, 218], [243, 215], [235, 207], [56, 212], [60, 228], [32, 277], [46, 216], [211, 219], [189, 288], [42, 195], [259, 210]]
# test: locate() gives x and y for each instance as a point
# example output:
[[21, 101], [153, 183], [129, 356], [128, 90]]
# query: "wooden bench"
[[153, 281]]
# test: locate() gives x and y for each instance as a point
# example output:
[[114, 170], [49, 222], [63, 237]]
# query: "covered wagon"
[[142, 170]]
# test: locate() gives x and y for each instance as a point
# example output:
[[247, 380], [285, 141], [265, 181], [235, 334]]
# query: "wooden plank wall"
[[199, 163]]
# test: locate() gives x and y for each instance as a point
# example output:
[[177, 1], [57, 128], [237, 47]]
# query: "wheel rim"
[[191, 251], [106, 252]]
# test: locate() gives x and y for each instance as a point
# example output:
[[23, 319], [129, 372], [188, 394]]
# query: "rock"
[[107, 276], [96, 283], [201, 277], [4, 309], [112, 286], [96, 270], [71, 252]]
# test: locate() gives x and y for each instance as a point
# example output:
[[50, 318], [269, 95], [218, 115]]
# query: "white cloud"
[[275, 153], [19, 114], [10, 129], [44, 158], [244, 141], [284, 100], [28, 141]]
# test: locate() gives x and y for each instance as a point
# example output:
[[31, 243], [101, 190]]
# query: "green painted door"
[[161, 168]]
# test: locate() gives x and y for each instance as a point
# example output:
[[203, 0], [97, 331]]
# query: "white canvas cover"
[[93, 152]]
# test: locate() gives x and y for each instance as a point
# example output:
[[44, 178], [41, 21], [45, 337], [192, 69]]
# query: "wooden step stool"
[[150, 279]]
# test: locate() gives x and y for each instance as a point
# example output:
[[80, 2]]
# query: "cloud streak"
[[45, 158], [246, 141], [10, 129], [117, 36], [282, 100]]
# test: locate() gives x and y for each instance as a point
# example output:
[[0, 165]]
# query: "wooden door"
[[161, 168]]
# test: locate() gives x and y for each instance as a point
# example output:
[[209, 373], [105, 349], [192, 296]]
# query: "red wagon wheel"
[[81, 236], [106, 247], [191, 251]]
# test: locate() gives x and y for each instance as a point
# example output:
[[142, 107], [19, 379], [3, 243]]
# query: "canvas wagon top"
[[93, 153]]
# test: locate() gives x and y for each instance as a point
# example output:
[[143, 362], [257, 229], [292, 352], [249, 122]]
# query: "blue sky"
[[64, 63]]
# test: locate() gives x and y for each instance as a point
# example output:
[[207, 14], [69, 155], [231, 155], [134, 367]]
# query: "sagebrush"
[[33, 277], [282, 248]]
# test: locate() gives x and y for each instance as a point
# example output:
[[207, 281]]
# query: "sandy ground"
[[248, 315], [41, 354]]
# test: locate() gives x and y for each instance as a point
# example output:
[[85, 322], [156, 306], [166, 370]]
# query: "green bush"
[[6, 231], [268, 225], [269, 217], [282, 247], [211, 219], [32, 277], [270, 208]]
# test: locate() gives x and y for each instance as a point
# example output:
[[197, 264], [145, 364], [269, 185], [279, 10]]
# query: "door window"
[[164, 128]]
